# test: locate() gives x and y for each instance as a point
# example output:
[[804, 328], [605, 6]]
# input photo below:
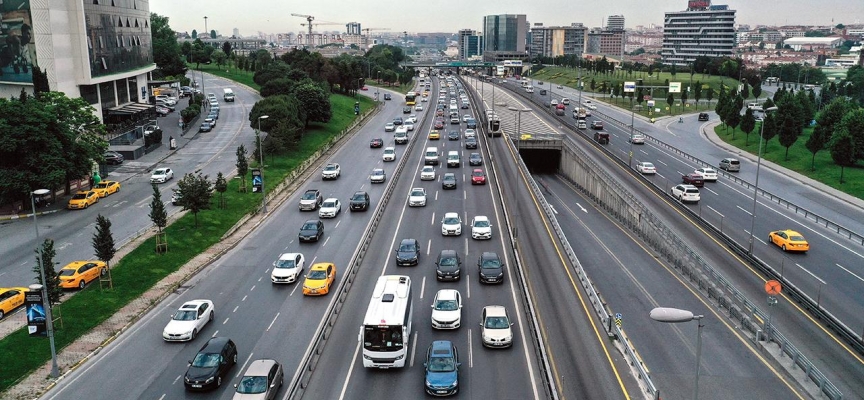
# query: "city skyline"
[[451, 15]]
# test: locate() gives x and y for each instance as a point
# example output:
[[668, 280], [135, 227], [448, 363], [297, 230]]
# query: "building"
[[505, 35], [702, 30], [554, 41], [353, 28], [94, 50], [470, 44], [615, 23], [235, 33], [812, 43], [601, 41]]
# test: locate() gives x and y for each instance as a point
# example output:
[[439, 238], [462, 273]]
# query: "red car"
[[376, 143], [478, 177], [364, 88], [693, 179], [439, 124]]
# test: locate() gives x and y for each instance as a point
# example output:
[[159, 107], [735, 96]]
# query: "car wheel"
[[81, 284], [783, 247], [2, 314], [234, 361], [103, 272], [194, 334], [211, 315]]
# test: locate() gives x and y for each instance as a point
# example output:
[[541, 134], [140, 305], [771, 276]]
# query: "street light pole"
[[674, 315], [46, 302], [206, 32], [756, 186], [632, 123], [261, 156]]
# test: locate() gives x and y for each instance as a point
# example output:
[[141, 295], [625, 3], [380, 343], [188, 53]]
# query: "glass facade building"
[[118, 36], [505, 33]]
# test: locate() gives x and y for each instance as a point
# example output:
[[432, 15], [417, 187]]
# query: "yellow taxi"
[[434, 135], [83, 199], [78, 274], [10, 299], [426, 94], [789, 240], [319, 279], [106, 188]]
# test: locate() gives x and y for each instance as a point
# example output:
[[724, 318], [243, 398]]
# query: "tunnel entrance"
[[541, 161]]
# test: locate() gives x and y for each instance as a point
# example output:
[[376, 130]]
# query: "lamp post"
[[206, 32], [756, 186], [261, 156], [674, 315], [49, 319]]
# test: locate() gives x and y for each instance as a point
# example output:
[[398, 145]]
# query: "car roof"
[[447, 253], [439, 346], [451, 214], [489, 255], [320, 266], [194, 303], [377, 170], [481, 218], [330, 199], [289, 256], [449, 175], [215, 344], [495, 311], [260, 367]]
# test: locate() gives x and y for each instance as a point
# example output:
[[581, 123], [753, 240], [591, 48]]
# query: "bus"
[[387, 325], [411, 98]]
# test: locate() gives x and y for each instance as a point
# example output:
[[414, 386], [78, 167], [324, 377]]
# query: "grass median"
[[142, 268]]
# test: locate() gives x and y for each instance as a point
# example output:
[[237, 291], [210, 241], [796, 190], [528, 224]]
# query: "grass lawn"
[[142, 268], [227, 72], [800, 159]]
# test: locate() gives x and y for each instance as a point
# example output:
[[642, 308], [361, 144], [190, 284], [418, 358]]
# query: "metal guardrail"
[[528, 304], [299, 382]]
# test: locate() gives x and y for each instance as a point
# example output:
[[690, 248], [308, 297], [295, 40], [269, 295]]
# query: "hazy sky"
[[274, 16]]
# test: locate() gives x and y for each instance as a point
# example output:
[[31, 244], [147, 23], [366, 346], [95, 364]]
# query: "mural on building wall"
[[17, 49]]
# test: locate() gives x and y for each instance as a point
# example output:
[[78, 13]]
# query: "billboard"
[[512, 63], [629, 87], [674, 87], [699, 4], [36, 315], [17, 47]]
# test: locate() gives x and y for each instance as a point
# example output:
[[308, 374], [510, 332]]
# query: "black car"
[[491, 268], [542, 92], [470, 143], [475, 159], [359, 201], [113, 158], [408, 252], [386, 96], [703, 116], [205, 127], [448, 181], [453, 135], [311, 231], [472, 123], [397, 121], [448, 267], [211, 364], [406, 110]]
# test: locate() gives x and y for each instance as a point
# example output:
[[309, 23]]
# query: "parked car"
[[77, 274], [113, 158], [83, 199]]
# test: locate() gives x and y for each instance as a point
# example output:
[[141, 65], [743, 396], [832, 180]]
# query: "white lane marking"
[[325, 241], [272, 322], [718, 212], [225, 321], [811, 274], [348, 376], [470, 350], [661, 162], [235, 308], [244, 298], [313, 260], [429, 247], [582, 208], [553, 209], [433, 212], [422, 287], [296, 285], [748, 212], [243, 367], [464, 195], [841, 267], [252, 288], [467, 286], [260, 278], [715, 193], [175, 381], [214, 333], [413, 349], [337, 224]]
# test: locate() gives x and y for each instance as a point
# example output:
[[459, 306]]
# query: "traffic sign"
[[674, 87], [773, 287], [629, 87]]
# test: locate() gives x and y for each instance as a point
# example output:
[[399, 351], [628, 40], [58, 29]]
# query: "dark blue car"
[[442, 369]]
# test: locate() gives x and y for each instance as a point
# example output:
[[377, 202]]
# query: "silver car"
[[261, 381]]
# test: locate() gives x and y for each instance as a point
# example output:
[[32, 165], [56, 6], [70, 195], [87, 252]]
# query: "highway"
[[72, 230], [819, 344]]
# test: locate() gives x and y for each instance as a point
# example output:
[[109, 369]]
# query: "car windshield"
[[185, 315], [285, 263], [448, 262], [428, 169], [451, 221], [378, 172], [79, 196], [310, 226], [383, 338], [252, 385], [330, 168], [441, 364], [317, 274], [417, 193], [207, 360], [159, 172], [648, 165], [329, 204], [102, 185], [389, 151], [478, 173], [407, 247], [796, 238], [490, 263], [496, 323], [446, 305], [481, 223], [449, 177], [309, 196], [358, 197]]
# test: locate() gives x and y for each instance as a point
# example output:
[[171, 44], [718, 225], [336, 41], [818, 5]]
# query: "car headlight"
[[428, 384], [186, 379], [210, 379], [456, 271], [454, 384], [400, 357]]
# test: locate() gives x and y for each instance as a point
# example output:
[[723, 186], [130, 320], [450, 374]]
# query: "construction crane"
[[309, 20], [366, 38]]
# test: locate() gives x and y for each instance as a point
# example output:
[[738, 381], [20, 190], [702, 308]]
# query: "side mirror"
[[511, 324], [235, 386], [272, 385], [190, 362], [458, 364]]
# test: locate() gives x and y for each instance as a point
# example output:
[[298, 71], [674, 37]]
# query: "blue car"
[[442, 369]]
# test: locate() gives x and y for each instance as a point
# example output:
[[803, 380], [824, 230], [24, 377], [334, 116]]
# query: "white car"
[[481, 228], [495, 327], [331, 171], [685, 193], [637, 138], [288, 268], [451, 224], [466, 117], [470, 133], [389, 127], [401, 129], [424, 100], [427, 173], [330, 208], [417, 197], [707, 174], [646, 167], [409, 126], [447, 309], [188, 321], [419, 107], [589, 105], [411, 118], [377, 176], [389, 154], [161, 175]]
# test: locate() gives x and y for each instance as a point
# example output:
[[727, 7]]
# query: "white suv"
[[451, 224], [287, 268], [447, 309], [685, 193]]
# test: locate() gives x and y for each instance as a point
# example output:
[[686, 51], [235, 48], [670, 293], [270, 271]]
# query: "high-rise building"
[[615, 23], [470, 44], [504, 36], [553, 41], [702, 30], [235, 33], [353, 28], [604, 41], [97, 50]]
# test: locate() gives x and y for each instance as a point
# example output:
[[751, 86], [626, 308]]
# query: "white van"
[[228, 95], [431, 156], [453, 159]]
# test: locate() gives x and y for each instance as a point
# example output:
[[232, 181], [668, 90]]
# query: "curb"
[[22, 216]]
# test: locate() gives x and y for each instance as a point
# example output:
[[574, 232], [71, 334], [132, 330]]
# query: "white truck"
[[228, 95]]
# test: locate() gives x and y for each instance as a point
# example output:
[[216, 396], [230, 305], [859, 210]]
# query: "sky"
[[274, 16]]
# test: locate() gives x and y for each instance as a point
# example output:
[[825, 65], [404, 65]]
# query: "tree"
[[279, 109], [242, 165], [697, 92], [748, 123], [271, 71], [274, 87], [670, 100], [745, 90], [194, 34], [103, 244], [227, 49], [195, 193], [842, 151], [683, 99], [790, 129], [221, 185], [709, 94], [769, 128], [733, 118], [219, 57], [45, 261], [166, 51], [315, 103], [853, 124], [815, 143], [213, 34]]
